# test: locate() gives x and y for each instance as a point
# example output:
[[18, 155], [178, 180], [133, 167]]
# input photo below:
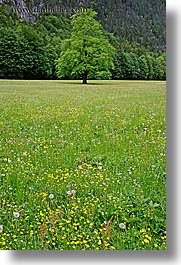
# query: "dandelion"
[[51, 196], [143, 230], [148, 237], [99, 242], [16, 215], [71, 192], [122, 226], [146, 240]]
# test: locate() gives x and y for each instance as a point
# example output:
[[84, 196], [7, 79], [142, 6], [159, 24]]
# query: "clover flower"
[[122, 226], [51, 196], [16, 215], [71, 192]]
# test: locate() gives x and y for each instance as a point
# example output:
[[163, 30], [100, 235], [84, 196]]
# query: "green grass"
[[106, 141]]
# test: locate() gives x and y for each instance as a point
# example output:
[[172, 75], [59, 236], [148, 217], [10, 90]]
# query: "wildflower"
[[71, 192], [163, 237], [146, 240], [16, 215], [148, 237], [31, 233], [122, 226], [143, 230], [51, 196], [1, 228], [129, 171], [112, 248], [99, 242]]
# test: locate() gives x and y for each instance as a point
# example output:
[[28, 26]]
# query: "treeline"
[[144, 67], [30, 50]]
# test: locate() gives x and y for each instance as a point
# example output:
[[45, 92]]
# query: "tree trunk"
[[84, 81]]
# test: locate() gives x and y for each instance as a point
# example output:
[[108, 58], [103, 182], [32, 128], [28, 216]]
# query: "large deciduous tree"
[[87, 53]]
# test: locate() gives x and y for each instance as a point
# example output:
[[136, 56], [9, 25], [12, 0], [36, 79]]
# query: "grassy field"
[[82, 166]]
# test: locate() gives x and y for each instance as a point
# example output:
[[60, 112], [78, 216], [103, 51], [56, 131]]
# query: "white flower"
[[122, 226], [51, 196], [99, 167], [16, 215], [71, 192], [1, 227]]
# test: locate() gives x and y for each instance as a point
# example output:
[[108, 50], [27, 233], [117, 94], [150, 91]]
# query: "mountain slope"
[[141, 21]]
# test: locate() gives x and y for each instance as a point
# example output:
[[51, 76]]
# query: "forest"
[[30, 41]]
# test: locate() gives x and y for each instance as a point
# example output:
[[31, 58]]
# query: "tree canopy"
[[87, 53]]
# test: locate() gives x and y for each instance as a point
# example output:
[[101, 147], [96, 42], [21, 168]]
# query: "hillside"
[[140, 21]]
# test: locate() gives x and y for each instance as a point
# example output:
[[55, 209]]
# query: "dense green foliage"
[[142, 21], [132, 66], [87, 53], [30, 50]]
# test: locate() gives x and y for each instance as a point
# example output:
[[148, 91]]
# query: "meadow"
[[82, 167]]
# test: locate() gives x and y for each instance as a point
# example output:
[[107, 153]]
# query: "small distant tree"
[[87, 53]]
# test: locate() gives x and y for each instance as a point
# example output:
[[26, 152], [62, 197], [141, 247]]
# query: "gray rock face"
[[22, 10]]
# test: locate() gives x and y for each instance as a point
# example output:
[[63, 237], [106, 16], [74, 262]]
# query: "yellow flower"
[[148, 237], [41, 213], [143, 230], [163, 237], [52, 230], [146, 240], [31, 233], [112, 247], [99, 242]]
